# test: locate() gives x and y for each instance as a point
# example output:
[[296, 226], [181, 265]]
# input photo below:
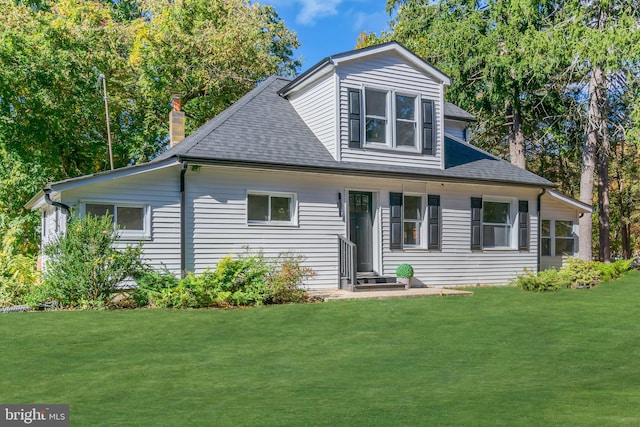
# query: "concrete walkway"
[[334, 295]]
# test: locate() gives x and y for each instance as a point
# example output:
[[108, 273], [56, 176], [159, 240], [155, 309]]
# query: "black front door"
[[361, 228]]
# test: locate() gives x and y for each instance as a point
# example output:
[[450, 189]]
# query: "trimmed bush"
[[404, 270]]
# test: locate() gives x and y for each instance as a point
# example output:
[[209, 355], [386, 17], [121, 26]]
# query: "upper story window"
[[132, 220], [406, 121], [376, 113], [271, 208], [392, 119]]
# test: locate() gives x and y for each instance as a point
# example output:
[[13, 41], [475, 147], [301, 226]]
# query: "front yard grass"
[[502, 357]]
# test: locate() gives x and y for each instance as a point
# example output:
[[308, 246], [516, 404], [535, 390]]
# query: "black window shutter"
[[435, 217], [428, 127], [355, 110], [476, 223], [395, 214], [523, 225]]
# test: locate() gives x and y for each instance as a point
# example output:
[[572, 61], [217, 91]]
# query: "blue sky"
[[327, 27]]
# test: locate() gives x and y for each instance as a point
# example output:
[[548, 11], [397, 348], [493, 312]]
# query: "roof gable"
[[331, 62]]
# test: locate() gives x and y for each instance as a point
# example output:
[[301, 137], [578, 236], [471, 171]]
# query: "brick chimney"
[[176, 122]]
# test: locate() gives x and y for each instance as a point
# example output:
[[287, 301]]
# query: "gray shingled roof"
[[452, 111], [262, 128]]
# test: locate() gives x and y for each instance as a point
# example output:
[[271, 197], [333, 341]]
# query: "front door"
[[361, 228]]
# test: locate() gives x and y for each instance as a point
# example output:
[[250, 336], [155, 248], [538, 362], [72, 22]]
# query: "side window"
[[557, 238], [271, 208], [132, 220]]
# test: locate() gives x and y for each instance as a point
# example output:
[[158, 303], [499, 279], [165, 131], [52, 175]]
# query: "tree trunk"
[[604, 212], [516, 139], [589, 166]]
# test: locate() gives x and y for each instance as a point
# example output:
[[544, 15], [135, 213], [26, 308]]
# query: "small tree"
[[84, 267]]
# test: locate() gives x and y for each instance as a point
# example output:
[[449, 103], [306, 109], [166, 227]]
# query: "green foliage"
[[52, 117], [404, 270], [579, 273], [248, 280], [547, 280], [575, 273], [285, 279], [611, 271], [84, 266], [18, 274]]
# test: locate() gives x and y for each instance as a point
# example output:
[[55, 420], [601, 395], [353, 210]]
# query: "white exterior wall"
[[160, 189], [218, 226], [554, 209], [456, 263], [388, 71], [317, 106], [455, 129]]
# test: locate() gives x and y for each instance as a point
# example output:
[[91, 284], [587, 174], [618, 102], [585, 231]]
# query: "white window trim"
[[513, 222], [423, 211], [145, 234], [391, 118], [552, 237], [293, 204]]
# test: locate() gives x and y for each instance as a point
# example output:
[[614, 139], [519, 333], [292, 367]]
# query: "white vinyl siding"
[[218, 226], [554, 210], [456, 129], [455, 264], [317, 106], [157, 189], [390, 72], [216, 222]]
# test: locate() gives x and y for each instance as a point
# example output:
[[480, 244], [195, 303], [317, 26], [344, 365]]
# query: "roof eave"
[[583, 207], [360, 172]]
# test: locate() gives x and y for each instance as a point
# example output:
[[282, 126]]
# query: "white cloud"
[[312, 10]]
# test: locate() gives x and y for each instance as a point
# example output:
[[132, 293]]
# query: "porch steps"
[[372, 282]]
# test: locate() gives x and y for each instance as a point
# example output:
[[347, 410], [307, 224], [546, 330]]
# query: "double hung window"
[[557, 238]]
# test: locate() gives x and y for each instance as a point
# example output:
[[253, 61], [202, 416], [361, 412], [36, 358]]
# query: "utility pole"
[[106, 109]]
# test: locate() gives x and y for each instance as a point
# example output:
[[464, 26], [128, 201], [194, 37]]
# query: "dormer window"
[[376, 113], [392, 120], [406, 121]]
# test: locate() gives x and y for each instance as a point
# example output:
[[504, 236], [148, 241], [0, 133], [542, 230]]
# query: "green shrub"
[[84, 268], [247, 280], [19, 277], [404, 270], [547, 280], [286, 278], [579, 273], [613, 270]]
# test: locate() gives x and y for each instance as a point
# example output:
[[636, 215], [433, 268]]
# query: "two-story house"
[[358, 164]]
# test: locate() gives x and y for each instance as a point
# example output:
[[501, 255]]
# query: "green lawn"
[[502, 357]]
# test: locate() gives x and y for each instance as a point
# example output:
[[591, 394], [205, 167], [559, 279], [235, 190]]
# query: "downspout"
[[183, 225], [539, 229], [62, 206]]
